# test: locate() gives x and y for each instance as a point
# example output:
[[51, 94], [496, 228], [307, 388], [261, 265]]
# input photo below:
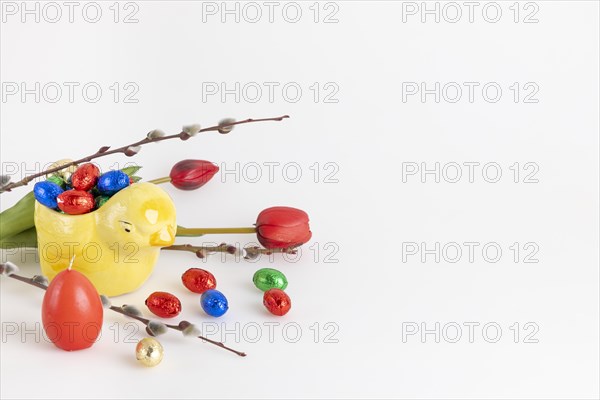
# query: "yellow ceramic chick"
[[115, 246]]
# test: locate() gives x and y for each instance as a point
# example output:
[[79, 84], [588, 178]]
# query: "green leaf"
[[18, 218], [131, 171], [136, 178], [25, 239]]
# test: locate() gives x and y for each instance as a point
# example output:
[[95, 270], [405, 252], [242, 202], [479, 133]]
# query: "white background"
[[371, 295]]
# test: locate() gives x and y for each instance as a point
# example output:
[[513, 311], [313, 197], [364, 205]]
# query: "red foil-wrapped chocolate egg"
[[75, 202], [198, 280], [277, 301], [163, 304], [85, 177]]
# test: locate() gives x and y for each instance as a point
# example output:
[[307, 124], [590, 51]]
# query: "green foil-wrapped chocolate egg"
[[100, 200], [58, 180], [269, 278]]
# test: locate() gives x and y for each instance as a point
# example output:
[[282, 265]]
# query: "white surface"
[[371, 295]]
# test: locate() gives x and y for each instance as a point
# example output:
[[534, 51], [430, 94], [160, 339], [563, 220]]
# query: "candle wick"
[[71, 263]]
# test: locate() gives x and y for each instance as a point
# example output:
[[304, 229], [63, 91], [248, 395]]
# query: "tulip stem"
[[158, 181], [181, 231]]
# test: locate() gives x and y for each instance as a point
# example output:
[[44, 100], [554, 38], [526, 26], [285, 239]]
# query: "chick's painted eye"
[[127, 227]]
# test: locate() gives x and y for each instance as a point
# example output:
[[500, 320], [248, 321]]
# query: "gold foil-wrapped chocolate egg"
[[149, 352]]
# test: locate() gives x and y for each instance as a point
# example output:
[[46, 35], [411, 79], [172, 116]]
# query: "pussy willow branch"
[[120, 310], [104, 151], [250, 252], [179, 328], [203, 251]]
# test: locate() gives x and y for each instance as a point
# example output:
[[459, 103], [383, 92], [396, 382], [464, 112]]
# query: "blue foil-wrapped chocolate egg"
[[46, 193], [214, 303], [111, 182]]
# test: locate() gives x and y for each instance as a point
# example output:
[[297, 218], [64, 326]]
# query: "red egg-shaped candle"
[[72, 311]]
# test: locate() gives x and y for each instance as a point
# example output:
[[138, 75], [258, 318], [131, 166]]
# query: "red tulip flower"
[[192, 174], [282, 227]]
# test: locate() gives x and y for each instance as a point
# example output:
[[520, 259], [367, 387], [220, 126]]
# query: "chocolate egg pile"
[[83, 191]]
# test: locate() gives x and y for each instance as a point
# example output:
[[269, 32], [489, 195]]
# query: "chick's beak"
[[164, 237]]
